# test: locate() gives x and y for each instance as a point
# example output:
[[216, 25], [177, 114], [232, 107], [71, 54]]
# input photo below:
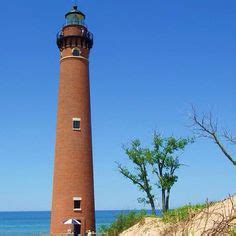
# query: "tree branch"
[[221, 146], [206, 127], [229, 137], [124, 171]]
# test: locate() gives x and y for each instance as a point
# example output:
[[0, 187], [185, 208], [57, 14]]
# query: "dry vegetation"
[[214, 219]]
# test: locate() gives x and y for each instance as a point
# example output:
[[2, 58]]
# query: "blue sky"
[[151, 60]]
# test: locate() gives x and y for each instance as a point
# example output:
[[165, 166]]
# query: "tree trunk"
[[153, 206], [167, 199], [152, 203], [163, 191]]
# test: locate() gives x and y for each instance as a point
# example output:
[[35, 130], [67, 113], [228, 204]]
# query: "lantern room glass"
[[75, 19]]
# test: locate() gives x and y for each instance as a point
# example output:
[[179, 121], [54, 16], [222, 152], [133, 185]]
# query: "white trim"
[[77, 198], [76, 119], [79, 209], [79, 57]]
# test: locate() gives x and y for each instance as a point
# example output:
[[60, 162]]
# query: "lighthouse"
[[73, 186]]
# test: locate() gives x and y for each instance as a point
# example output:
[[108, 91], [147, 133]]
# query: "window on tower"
[[76, 52], [76, 124], [77, 203]]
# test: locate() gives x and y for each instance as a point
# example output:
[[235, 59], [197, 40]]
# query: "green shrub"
[[122, 222], [181, 213]]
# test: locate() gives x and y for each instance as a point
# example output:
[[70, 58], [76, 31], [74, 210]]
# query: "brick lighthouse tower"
[[73, 190]]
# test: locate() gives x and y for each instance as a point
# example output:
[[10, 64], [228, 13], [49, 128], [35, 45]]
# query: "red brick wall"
[[73, 166]]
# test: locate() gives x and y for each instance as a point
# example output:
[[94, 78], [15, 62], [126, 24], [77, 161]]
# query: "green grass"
[[233, 231], [123, 222], [181, 213]]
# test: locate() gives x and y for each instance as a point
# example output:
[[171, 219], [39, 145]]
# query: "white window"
[[76, 124], [77, 203]]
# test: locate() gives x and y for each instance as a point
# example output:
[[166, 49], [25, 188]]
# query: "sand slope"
[[215, 219]]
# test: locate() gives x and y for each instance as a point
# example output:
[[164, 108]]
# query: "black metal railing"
[[85, 38]]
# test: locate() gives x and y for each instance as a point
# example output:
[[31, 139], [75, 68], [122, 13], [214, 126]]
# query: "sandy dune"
[[213, 220]]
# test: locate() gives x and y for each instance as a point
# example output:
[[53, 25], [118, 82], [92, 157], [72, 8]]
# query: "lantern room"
[[75, 17]]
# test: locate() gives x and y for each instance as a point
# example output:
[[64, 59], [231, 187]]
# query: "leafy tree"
[[164, 159], [207, 127], [139, 176]]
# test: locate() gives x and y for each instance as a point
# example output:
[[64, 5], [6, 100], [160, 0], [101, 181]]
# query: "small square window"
[[76, 123], [77, 203]]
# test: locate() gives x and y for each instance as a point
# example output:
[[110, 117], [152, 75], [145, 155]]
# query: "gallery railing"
[[85, 37]]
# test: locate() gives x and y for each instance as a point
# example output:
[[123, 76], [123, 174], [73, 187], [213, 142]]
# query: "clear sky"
[[151, 60]]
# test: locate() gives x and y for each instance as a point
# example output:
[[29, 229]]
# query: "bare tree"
[[206, 126]]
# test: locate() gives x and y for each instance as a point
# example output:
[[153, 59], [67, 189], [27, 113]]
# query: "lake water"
[[34, 223]]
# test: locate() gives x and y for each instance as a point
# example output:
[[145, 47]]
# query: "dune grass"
[[123, 222], [181, 213], [233, 231]]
